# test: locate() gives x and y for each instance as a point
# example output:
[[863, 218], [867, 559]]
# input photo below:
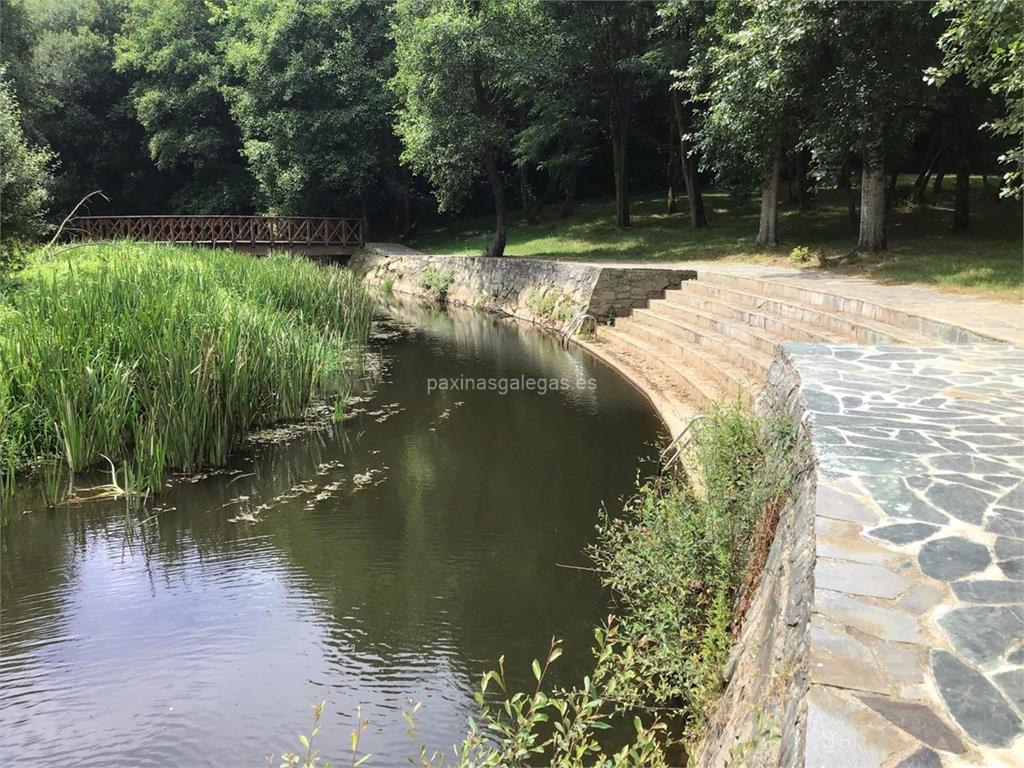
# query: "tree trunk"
[[962, 199], [930, 159], [767, 234], [671, 175], [621, 165], [688, 163], [803, 181], [569, 192], [845, 172], [497, 248], [939, 175], [890, 196], [871, 238], [966, 128], [526, 197]]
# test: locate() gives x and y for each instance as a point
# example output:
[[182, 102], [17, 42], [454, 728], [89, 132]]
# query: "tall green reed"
[[161, 357]]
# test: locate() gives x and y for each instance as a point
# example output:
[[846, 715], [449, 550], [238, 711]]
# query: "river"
[[389, 561]]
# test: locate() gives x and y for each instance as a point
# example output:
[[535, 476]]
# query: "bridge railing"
[[268, 231]]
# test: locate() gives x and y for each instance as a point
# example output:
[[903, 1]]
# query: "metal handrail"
[[675, 445], [575, 325]]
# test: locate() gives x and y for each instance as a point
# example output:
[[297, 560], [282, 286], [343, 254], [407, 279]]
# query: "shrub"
[[436, 282], [552, 305], [26, 178], [677, 561]]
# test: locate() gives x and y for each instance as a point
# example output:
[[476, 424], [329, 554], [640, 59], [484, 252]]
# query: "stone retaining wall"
[[761, 717], [549, 293]]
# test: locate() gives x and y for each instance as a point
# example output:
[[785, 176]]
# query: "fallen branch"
[[71, 215]]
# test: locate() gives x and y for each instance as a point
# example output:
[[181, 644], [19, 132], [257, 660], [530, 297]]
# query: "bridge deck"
[[314, 236]]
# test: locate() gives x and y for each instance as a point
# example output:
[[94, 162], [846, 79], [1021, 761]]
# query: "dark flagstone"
[[917, 720], [974, 702], [953, 558]]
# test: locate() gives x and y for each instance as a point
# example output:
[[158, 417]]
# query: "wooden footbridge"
[[254, 234]]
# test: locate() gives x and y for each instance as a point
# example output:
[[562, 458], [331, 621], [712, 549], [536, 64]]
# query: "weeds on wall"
[[552, 305], [436, 282], [679, 561]]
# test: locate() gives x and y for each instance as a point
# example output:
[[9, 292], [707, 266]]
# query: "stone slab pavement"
[[917, 625]]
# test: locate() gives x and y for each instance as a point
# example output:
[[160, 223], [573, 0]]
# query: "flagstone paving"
[[918, 613]]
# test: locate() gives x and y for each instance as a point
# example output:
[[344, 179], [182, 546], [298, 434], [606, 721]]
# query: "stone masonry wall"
[[760, 720], [521, 287]]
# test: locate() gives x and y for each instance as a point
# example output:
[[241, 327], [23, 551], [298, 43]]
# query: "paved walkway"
[[917, 628], [998, 320]]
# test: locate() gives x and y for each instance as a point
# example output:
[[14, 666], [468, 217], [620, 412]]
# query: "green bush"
[[553, 305], [26, 178], [677, 560], [436, 282], [802, 255], [155, 357]]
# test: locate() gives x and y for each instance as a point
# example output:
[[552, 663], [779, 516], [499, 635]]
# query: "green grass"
[[923, 248], [160, 357]]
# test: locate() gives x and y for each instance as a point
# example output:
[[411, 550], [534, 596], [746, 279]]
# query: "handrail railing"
[[226, 230], [576, 325], [678, 445]]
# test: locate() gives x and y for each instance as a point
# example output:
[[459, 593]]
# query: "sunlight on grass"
[[923, 248]]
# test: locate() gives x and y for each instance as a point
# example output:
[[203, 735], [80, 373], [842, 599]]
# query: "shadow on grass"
[[923, 248]]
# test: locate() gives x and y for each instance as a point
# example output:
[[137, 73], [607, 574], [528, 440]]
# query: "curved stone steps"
[[738, 349], [657, 380], [691, 361], [696, 391], [769, 324], [728, 291], [734, 330]]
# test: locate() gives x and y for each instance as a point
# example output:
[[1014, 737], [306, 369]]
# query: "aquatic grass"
[[165, 357]]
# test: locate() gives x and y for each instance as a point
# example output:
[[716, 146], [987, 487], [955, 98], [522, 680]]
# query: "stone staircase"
[[713, 338]]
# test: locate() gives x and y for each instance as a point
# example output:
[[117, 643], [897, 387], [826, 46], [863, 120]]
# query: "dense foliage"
[[26, 179], [153, 358], [679, 561], [395, 109]]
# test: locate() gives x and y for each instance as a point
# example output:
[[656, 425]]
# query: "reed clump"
[[157, 357]]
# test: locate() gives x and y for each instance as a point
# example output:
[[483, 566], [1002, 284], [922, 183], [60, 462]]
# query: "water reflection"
[[397, 560]]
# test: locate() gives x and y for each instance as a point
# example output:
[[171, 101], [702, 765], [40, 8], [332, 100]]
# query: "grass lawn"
[[988, 259]]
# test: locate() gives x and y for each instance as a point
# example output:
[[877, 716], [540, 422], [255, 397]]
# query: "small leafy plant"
[[436, 282], [552, 305]]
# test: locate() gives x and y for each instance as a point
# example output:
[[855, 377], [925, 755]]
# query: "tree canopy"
[[396, 109]]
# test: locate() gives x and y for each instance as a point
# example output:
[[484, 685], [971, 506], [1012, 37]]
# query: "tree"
[[170, 47], [759, 70], [559, 126], [307, 86], [17, 31], [615, 37], [452, 69], [870, 94], [678, 29], [26, 175], [984, 43], [81, 109]]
